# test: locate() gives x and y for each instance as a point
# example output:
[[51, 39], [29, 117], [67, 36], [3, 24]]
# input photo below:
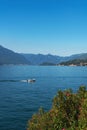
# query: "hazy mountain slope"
[[38, 59], [9, 57], [82, 56]]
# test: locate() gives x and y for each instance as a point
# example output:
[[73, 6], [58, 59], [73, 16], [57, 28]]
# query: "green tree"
[[68, 112]]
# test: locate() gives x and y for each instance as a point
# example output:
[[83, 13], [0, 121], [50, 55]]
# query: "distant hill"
[[40, 59], [83, 56], [47, 64], [9, 57], [75, 62]]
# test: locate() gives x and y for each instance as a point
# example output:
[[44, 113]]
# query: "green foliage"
[[68, 112], [78, 62]]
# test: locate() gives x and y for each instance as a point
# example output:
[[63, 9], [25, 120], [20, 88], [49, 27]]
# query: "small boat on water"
[[31, 80]]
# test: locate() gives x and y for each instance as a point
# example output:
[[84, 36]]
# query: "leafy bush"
[[68, 112]]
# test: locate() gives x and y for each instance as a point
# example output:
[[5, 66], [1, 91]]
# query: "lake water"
[[19, 99]]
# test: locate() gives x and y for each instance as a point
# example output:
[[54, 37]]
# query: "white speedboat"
[[31, 80]]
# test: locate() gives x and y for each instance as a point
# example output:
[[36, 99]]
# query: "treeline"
[[77, 62], [47, 64]]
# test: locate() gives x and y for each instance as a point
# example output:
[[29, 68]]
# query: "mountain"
[[9, 57], [75, 62], [82, 56], [40, 59]]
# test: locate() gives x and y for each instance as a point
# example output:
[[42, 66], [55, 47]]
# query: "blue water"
[[19, 100]]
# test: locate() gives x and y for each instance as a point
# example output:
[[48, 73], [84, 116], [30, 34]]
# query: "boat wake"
[[23, 80], [28, 80], [9, 80]]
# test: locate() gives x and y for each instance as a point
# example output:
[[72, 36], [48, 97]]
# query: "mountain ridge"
[[49, 58], [8, 56]]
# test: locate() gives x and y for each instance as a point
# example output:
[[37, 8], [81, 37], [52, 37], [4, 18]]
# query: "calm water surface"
[[19, 99]]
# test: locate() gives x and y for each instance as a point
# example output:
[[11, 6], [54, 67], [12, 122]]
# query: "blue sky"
[[58, 27]]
